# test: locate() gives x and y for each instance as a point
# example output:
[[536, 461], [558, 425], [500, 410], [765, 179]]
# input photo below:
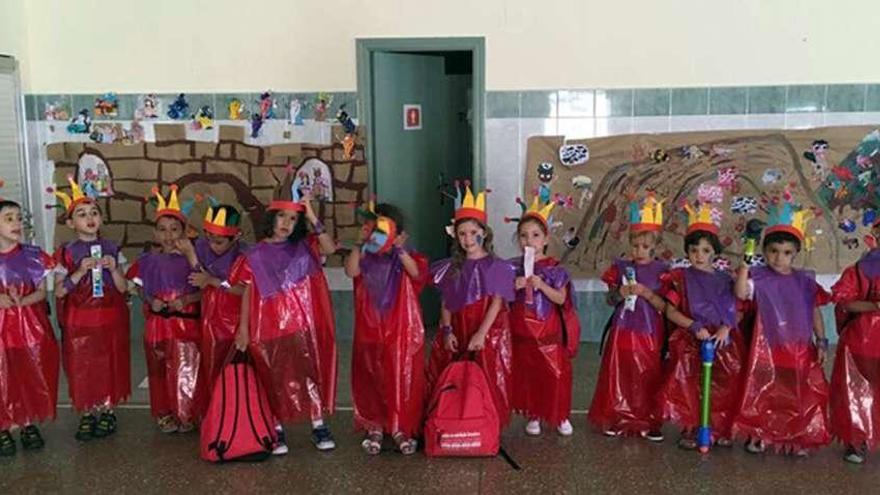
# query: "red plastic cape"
[[542, 369], [28, 360], [855, 381], [388, 360], [629, 376], [95, 346], [171, 344], [495, 359], [221, 311], [293, 343], [679, 397], [784, 400]]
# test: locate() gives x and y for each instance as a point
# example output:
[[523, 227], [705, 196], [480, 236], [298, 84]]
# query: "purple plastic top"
[[555, 276], [279, 265], [476, 279], [710, 297], [785, 304]]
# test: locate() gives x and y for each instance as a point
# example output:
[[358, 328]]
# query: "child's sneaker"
[[167, 424], [106, 425], [7, 444], [755, 447], [31, 438], [852, 454], [533, 427], [322, 438], [186, 427], [565, 428], [86, 430], [724, 442], [280, 447], [653, 436], [612, 433]]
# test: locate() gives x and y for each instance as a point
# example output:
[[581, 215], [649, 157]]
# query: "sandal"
[[406, 446], [167, 424], [724, 442], [686, 443], [106, 426], [31, 438], [372, 443], [7, 444], [86, 430]]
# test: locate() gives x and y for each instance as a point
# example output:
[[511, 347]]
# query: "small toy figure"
[[179, 108], [256, 124], [107, 105], [81, 123], [203, 119], [149, 108], [321, 106], [236, 110], [267, 105], [296, 106]]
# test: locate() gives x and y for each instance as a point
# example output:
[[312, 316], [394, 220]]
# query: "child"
[[171, 329], [545, 330], [94, 319], [28, 351], [855, 381], [475, 287], [286, 315], [630, 374], [211, 260], [387, 366], [702, 305], [785, 395]]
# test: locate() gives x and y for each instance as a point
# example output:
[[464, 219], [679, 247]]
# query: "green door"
[[410, 165]]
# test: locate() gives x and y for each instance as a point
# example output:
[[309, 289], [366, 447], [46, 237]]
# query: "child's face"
[[168, 231], [285, 220], [10, 225], [470, 237], [780, 255], [531, 234], [641, 247], [701, 254], [218, 243], [86, 219]]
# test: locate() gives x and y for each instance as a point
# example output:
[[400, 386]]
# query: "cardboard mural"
[[831, 171]]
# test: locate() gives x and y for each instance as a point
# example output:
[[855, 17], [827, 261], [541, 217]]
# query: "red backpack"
[[239, 425], [462, 420]]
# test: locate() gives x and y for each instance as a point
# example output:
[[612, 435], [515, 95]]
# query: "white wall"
[[89, 46], [13, 34]]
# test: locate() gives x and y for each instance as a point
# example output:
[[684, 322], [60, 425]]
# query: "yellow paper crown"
[[75, 197], [700, 219], [470, 206], [171, 206], [647, 218], [535, 210], [786, 219]]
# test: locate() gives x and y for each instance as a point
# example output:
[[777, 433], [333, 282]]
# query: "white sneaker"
[[533, 428], [280, 447], [565, 429]]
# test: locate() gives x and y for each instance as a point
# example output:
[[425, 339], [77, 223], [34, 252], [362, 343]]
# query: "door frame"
[[366, 47]]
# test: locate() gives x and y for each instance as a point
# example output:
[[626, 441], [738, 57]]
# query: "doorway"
[[422, 107]]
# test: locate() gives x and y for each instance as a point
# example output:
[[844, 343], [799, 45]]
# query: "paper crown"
[[288, 195], [172, 207], [470, 206], [647, 217], [701, 219], [383, 230], [788, 218], [535, 210], [219, 220], [76, 197]]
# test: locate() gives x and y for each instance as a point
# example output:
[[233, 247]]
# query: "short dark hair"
[[300, 228], [5, 203], [182, 224], [694, 238], [780, 237], [392, 212]]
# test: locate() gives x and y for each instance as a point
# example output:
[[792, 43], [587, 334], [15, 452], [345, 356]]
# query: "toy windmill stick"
[[704, 433], [529, 270]]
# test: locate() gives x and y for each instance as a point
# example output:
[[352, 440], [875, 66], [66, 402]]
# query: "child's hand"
[[451, 343], [157, 305], [641, 290], [478, 342], [721, 336], [520, 283], [703, 334], [626, 291], [15, 295], [401, 239], [200, 279], [242, 339], [537, 282], [108, 262], [184, 246], [176, 305], [87, 264], [6, 302], [822, 354]]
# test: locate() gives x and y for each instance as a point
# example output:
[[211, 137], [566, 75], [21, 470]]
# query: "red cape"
[[293, 344], [542, 369], [388, 359], [96, 342], [28, 362], [679, 396], [221, 311], [855, 381]]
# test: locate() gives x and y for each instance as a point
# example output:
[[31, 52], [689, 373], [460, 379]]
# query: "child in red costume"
[[286, 316], [855, 381], [630, 375], [172, 330], [388, 367], [28, 351], [94, 320], [475, 287], [785, 394], [702, 305], [544, 327]]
